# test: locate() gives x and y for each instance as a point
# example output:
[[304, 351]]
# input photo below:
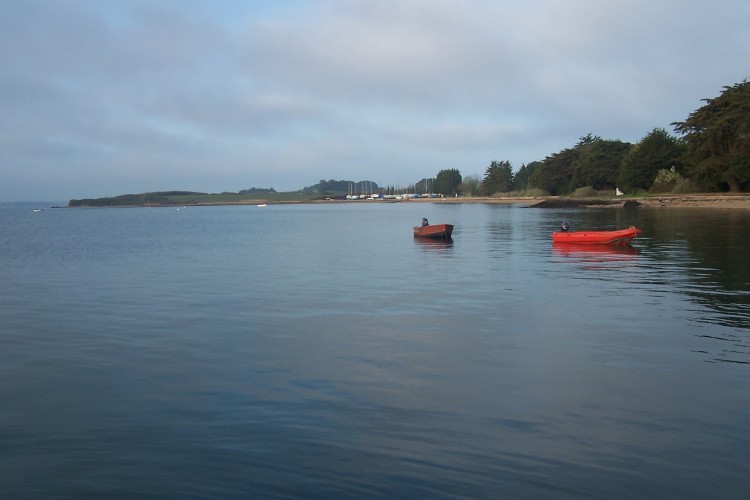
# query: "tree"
[[424, 186], [470, 185], [447, 182], [657, 151], [717, 136], [598, 162], [498, 178], [521, 180], [554, 173]]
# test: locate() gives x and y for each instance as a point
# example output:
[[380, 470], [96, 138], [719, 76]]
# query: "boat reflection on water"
[[587, 252], [434, 244]]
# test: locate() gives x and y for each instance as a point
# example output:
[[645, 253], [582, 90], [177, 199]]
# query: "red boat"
[[620, 237], [443, 231]]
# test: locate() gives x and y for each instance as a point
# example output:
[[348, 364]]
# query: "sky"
[[101, 97]]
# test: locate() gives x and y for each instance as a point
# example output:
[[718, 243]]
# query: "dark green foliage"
[[498, 178], [521, 179], [657, 151], [598, 163], [555, 172], [717, 136], [447, 182], [425, 186], [157, 198], [255, 190], [592, 162]]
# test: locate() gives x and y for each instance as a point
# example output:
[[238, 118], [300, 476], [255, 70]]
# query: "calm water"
[[321, 351]]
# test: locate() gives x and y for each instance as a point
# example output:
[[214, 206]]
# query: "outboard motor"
[[565, 226], [424, 221]]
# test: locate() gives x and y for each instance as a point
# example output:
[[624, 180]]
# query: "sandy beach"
[[720, 201], [741, 201], [713, 200]]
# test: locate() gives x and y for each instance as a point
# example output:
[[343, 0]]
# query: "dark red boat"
[[443, 231]]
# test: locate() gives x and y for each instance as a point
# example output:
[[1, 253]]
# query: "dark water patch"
[[572, 203]]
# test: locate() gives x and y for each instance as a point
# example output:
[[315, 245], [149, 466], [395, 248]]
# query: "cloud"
[[104, 97]]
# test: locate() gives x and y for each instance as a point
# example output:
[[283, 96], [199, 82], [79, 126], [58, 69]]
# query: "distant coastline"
[[707, 200]]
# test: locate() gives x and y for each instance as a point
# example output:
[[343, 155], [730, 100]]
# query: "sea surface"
[[320, 351]]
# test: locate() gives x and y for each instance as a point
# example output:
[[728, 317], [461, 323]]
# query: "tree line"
[[711, 153]]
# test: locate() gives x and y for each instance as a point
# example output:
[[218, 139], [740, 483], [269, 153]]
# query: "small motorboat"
[[443, 231], [619, 237]]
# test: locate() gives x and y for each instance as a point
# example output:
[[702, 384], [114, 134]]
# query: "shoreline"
[[714, 201], [719, 201]]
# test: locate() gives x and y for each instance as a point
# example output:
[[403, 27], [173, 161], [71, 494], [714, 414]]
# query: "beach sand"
[[741, 201], [720, 201]]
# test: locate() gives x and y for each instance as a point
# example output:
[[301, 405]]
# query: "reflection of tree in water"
[[723, 281], [717, 270], [723, 284]]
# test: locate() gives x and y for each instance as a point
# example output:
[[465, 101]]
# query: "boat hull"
[[443, 231], [620, 237]]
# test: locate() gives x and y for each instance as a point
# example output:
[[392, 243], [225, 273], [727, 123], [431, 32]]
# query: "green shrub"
[[686, 186], [584, 192], [535, 193], [523, 193], [666, 181], [665, 176]]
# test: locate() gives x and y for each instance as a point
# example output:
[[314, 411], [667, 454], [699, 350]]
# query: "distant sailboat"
[[351, 195]]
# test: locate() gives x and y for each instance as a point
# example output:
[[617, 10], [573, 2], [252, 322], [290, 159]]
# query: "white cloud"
[[225, 95]]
